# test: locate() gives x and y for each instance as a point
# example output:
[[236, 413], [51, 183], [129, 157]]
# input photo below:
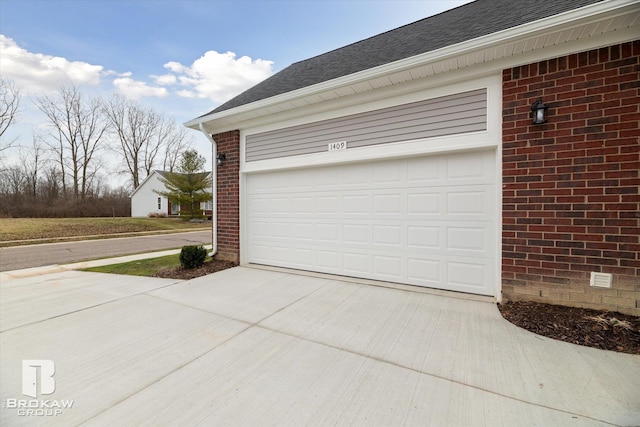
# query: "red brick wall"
[[228, 196], [571, 203]]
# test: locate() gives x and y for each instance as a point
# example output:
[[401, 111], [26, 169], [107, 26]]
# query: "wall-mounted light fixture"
[[220, 158], [539, 112]]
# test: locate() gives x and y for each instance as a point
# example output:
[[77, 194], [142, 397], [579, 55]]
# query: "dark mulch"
[[208, 267], [592, 328]]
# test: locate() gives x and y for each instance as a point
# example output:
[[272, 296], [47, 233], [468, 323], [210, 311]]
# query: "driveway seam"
[[388, 362], [377, 359], [90, 307], [184, 365]]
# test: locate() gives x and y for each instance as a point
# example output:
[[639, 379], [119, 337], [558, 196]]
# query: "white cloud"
[[165, 79], [214, 77], [133, 89], [186, 93], [37, 72], [219, 76], [176, 67]]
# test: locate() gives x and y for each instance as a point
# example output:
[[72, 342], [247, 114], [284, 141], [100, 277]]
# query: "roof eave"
[[228, 119]]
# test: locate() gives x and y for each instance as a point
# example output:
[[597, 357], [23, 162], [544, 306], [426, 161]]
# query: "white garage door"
[[426, 221]]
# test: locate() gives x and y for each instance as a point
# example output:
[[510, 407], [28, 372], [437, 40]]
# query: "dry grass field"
[[38, 230]]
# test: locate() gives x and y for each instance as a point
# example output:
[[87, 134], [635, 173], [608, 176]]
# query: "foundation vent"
[[601, 280]]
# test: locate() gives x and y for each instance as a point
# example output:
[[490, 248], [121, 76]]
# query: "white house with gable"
[[146, 202]]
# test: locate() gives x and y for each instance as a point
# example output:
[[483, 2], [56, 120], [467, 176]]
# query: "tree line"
[[63, 171]]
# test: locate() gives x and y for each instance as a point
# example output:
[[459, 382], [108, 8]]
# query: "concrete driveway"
[[247, 347]]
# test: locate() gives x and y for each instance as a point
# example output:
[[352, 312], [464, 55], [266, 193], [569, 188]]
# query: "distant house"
[[413, 157], [146, 202]]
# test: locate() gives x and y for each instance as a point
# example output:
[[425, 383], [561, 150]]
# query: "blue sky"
[[182, 58]]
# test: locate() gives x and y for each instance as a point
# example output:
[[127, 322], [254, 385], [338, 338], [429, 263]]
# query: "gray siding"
[[447, 115]]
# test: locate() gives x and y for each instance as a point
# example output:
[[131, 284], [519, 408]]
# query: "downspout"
[[214, 191]]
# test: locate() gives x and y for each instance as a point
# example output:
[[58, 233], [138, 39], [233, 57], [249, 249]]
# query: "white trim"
[[390, 96], [143, 182], [523, 44], [475, 140], [214, 191], [491, 138], [467, 141]]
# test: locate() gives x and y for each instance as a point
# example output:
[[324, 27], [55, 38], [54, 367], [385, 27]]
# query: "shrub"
[[192, 256]]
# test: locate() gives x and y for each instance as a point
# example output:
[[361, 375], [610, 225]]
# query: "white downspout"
[[214, 191]]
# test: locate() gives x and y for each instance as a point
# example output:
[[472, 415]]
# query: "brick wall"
[[571, 203], [228, 196]]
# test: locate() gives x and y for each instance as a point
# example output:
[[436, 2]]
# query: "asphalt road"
[[18, 257]]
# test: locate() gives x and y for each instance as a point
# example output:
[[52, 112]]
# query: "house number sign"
[[342, 145]]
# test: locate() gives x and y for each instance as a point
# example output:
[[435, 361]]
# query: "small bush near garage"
[[192, 256]]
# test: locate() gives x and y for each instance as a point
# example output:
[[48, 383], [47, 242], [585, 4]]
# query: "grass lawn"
[[142, 267], [50, 229]]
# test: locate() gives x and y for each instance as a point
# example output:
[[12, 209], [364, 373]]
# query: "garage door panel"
[[424, 272], [356, 263], [356, 234], [303, 258], [328, 205], [427, 221], [464, 169], [466, 276], [388, 173], [421, 171], [328, 233], [355, 204], [467, 239], [387, 267], [389, 235], [329, 260], [305, 231], [424, 237], [470, 203], [302, 205], [424, 204]]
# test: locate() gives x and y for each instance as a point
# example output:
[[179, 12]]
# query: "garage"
[[425, 220]]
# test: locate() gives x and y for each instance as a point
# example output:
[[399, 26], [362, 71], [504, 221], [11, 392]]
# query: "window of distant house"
[[159, 203]]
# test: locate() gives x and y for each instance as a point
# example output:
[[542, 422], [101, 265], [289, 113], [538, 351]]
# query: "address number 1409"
[[342, 145]]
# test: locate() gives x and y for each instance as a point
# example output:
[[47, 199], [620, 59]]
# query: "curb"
[[58, 268]]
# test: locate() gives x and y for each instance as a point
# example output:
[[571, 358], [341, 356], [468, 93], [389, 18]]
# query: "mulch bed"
[[592, 328], [208, 267]]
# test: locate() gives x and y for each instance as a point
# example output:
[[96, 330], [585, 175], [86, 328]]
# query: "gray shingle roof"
[[463, 23]]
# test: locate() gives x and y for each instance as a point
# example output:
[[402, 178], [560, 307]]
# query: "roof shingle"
[[463, 23]]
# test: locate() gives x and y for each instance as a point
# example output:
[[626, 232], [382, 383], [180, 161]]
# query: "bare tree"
[[50, 186], [13, 181], [10, 96], [78, 127], [146, 139], [135, 127], [175, 141], [31, 162]]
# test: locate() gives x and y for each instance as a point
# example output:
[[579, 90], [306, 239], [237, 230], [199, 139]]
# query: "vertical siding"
[[447, 115]]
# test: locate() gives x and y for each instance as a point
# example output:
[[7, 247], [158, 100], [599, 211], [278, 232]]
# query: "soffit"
[[526, 44]]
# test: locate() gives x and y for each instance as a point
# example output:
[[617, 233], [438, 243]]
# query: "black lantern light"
[[539, 112], [220, 158]]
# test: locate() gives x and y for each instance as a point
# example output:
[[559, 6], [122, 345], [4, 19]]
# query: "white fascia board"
[[143, 182], [573, 18]]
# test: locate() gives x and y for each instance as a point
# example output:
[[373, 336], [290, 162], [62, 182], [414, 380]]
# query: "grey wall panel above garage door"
[[447, 115]]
